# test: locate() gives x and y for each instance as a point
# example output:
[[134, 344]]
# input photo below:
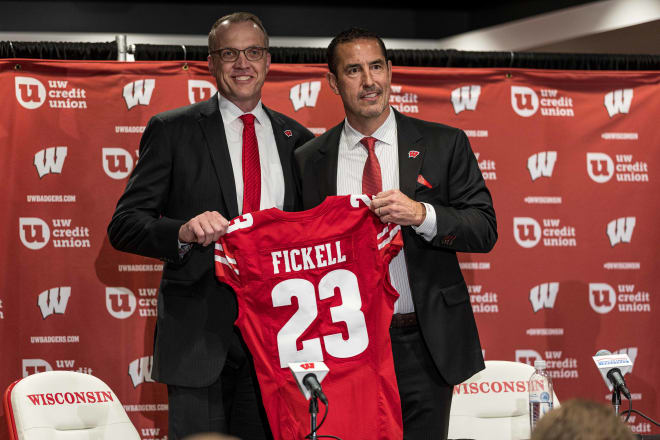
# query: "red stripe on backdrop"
[[570, 157]]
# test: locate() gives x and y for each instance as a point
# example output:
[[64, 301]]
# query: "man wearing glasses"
[[200, 166]]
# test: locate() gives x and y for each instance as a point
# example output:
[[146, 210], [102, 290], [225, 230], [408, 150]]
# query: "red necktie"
[[372, 182], [251, 166]]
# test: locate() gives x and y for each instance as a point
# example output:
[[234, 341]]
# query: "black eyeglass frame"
[[262, 50]]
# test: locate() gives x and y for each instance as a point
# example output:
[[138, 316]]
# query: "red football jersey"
[[314, 286]]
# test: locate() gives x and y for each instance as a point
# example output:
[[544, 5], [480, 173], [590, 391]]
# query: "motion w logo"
[[54, 301], [140, 370], [541, 164], [618, 101], [465, 98], [620, 230], [305, 94], [50, 160], [139, 92], [543, 296]]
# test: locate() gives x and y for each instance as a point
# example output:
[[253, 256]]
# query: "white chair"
[[65, 405], [493, 404]]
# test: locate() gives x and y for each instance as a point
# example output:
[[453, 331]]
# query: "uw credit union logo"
[[30, 92]]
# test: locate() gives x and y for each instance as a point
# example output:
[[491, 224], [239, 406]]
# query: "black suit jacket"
[[184, 169], [465, 220]]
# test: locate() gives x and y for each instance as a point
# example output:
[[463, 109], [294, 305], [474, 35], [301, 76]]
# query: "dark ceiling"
[[320, 18]]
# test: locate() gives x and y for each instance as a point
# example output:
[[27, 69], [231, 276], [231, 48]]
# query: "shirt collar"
[[386, 133], [230, 111]]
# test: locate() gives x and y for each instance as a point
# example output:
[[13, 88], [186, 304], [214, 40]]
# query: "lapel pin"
[[288, 133], [413, 154]]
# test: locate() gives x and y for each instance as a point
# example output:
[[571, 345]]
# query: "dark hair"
[[237, 17], [348, 36]]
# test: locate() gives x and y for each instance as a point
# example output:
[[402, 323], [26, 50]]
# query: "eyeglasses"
[[229, 54]]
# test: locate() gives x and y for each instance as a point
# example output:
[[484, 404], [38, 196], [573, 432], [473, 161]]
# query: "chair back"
[[65, 405], [493, 404]]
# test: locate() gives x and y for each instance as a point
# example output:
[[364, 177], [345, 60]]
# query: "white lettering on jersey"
[[299, 259], [349, 312], [356, 198], [237, 223]]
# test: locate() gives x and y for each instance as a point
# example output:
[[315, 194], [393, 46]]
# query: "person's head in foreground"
[[581, 420]]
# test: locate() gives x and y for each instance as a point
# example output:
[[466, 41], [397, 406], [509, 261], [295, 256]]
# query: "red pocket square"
[[423, 181]]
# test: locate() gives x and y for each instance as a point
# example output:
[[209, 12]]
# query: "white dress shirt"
[[350, 165], [272, 178]]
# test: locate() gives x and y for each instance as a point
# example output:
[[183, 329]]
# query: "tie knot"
[[248, 119], [369, 142]]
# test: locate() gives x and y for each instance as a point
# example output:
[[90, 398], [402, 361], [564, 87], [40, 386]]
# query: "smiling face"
[[239, 81], [363, 81]]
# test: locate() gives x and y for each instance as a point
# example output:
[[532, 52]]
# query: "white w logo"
[[305, 94], [140, 370], [543, 295], [465, 98], [54, 301], [541, 164], [620, 230], [50, 160], [618, 101], [139, 92]]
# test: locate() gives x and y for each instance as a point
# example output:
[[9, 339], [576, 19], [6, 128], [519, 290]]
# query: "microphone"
[[313, 385], [612, 367], [309, 376]]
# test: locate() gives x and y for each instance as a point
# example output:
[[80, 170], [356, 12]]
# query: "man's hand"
[[395, 207], [204, 229]]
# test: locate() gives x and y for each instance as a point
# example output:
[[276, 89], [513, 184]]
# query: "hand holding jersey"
[[395, 207], [204, 228]]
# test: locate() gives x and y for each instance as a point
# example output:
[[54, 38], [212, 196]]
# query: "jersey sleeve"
[[226, 267], [389, 241]]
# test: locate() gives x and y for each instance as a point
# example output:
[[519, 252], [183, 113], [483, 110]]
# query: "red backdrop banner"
[[569, 156]]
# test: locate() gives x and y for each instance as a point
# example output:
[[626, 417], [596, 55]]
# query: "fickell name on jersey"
[[310, 257]]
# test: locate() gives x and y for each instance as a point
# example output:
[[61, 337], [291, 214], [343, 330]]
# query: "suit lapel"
[[326, 163], [410, 141], [285, 146], [213, 128]]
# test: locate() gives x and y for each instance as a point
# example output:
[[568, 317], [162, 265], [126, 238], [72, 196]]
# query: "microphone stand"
[[616, 399], [314, 410]]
